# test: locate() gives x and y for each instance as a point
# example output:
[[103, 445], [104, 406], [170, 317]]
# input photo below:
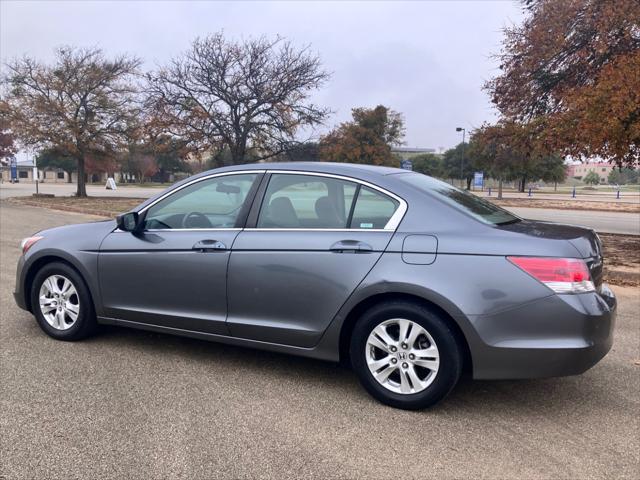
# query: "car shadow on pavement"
[[556, 397]]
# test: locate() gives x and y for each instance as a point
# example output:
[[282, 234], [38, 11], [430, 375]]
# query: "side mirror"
[[128, 222]]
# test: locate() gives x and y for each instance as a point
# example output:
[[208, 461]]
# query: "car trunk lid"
[[585, 241]]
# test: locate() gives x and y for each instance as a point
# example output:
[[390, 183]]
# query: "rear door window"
[[306, 201], [310, 201]]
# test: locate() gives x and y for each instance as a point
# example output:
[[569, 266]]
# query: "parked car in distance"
[[409, 279]]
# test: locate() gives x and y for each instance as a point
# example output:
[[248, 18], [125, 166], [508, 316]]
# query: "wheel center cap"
[[402, 356]]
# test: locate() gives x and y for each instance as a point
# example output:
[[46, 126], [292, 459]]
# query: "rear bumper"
[[556, 336]]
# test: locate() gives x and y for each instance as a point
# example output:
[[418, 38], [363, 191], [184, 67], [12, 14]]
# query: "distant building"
[[407, 153], [24, 171], [580, 170], [56, 175]]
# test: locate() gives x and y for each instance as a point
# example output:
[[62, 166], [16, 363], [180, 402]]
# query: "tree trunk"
[[237, 154], [82, 188], [69, 176], [500, 189], [555, 186], [523, 184], [469, 183]]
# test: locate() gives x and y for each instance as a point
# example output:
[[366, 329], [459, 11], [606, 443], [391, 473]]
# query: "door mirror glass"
[[128, 222]]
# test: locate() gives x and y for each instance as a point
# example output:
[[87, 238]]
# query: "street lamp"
[[460, 129]]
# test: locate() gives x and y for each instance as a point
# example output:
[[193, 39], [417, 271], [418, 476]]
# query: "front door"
[[314, 240], [173, 274]]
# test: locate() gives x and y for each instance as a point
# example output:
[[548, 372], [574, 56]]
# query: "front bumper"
[[555, 336]]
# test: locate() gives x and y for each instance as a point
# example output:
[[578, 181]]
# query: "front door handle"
[[351, 246], [209, 246]]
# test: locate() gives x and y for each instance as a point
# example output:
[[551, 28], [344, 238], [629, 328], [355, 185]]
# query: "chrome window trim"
[[216, 229], [375, 230], [165, 230], [391, 225]]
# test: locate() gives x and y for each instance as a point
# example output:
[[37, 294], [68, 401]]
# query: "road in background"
[[625, 197], [67, 189], [609, 222], [606, 222]]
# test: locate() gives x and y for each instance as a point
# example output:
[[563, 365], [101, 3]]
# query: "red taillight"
[[562, 275]]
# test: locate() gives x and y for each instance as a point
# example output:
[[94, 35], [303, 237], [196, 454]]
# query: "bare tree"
[[249, 96], [82, 105]]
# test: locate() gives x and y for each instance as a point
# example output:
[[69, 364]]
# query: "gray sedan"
[[408, 279]]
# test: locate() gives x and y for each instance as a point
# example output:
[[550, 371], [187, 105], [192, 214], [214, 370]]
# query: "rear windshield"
[[462, 200]]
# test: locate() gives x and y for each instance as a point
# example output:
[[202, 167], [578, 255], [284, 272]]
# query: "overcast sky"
[[427, 60]]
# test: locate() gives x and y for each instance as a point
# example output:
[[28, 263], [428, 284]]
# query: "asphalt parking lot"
[[131, 404]]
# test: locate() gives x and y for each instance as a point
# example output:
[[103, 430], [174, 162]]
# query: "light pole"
[[460, 129]]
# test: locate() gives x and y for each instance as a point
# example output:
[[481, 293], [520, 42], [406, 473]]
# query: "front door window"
[[211, 203]]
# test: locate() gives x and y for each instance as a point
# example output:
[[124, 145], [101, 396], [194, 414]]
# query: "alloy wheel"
[[59, 302], [402, 356]]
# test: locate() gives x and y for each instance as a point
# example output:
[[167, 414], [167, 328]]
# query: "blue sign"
[[478, 179], [406, 164], [14, 169]]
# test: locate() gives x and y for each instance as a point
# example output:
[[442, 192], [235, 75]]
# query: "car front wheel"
[[61, 303], [405, 355]]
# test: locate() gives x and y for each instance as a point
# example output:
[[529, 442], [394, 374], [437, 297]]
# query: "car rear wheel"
[[61, 303], [405, 355]]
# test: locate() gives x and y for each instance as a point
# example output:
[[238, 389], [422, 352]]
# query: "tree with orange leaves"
[[366, 139], [573, 68]]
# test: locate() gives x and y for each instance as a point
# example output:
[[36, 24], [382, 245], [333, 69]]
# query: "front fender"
[[85, 262], [78, 245]]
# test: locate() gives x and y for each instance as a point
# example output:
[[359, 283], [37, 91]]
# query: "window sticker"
[[366, 225]]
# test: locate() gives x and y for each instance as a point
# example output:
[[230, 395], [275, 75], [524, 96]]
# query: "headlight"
[[29, 242]]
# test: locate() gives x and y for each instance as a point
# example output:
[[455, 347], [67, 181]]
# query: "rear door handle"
[[209, 246], [351, 246]]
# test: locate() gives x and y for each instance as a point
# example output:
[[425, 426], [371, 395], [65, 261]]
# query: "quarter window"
[[212, 203], [373, 209]]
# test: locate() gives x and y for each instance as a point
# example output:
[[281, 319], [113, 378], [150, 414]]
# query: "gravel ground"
[[131, 404]]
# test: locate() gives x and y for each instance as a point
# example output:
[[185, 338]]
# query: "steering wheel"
[[196, 220]]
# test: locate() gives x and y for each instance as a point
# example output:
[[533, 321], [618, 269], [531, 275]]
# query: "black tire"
[[85, 324], [450, 352]]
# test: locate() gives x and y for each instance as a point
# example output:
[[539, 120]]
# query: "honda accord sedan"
[[409, 279]]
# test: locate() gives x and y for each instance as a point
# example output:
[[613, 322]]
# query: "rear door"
[[308, 244], [173, 273]]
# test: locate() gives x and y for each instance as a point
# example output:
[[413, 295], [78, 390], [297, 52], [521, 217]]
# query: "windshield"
[[462, 200]]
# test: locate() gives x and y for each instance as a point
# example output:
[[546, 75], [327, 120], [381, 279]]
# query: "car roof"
[[349, 169], [375, 174]]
